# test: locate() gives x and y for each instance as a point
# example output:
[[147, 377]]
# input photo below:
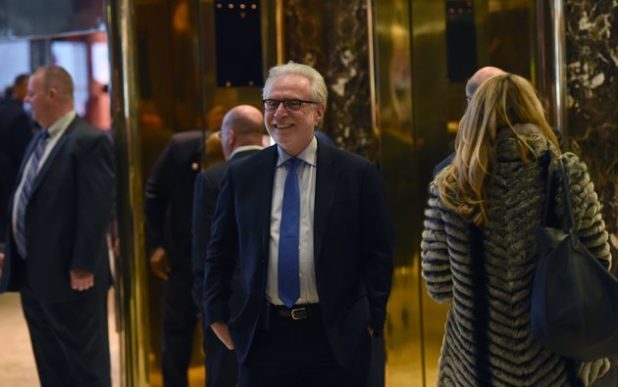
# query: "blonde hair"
[[500, 102], [214, 150]]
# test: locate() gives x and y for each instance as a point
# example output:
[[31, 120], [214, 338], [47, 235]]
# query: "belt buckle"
[[299, 313]]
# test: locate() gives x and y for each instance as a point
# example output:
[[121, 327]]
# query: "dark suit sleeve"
[[377, 239], [158, 191], [219, 266], [204, 202], [21, 134], [95, 200]]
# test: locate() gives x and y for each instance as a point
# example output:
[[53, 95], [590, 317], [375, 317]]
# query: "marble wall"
[[333, 37], [592, 80], [592, 77]]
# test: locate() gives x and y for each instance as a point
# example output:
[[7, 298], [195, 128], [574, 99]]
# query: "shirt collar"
[[245, 148], [61, 124], [308, 155]]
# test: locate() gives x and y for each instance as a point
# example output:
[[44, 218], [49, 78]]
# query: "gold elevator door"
[[424, 52]]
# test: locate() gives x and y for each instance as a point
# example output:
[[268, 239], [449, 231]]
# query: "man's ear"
[[319, 114], [52, 92], [232, 138]]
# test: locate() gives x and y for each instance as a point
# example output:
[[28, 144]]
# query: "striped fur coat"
[[515, 201]]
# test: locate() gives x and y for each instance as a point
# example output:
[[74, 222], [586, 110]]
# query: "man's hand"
[[223, 333], [370, 331], [81, 280], [158, 263]]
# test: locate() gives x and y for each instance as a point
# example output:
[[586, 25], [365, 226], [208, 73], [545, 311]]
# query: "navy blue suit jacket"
[[15, 133], [67, 217], [169, 196], [353, 240]]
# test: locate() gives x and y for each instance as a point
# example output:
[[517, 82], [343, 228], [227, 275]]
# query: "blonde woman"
[[479, 247]]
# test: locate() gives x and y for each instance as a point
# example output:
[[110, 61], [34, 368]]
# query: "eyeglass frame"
[[285, 104]]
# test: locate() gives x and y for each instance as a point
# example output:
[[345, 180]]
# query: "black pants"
[[221, 363], [179, 321], [70, 340], [298, 353]]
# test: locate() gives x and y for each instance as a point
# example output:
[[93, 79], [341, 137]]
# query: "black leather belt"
[[297, 312]]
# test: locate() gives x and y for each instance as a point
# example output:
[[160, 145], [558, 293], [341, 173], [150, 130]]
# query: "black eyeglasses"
[[270, 105]]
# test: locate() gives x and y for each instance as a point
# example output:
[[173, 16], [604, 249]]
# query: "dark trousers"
[[179, 321], [70, 340], [375, 377], [221, 363], [298, 353]]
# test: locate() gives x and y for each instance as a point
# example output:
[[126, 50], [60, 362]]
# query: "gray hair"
[[319, 91]]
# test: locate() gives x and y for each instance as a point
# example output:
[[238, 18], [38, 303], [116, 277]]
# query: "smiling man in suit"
[[55, 252], [310, 227]]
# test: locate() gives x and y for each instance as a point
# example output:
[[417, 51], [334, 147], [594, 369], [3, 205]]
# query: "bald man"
[[241, 137], [56, 255], [480, 76], [483, 74]]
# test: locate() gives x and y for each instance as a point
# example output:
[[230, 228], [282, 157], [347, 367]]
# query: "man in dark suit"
[[169, 195], [55, 252], [241, 136], [314, 247], [480, 76], [15, 133]]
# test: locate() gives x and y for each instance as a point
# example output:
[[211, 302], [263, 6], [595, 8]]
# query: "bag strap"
[[566, 192], [550, 191]]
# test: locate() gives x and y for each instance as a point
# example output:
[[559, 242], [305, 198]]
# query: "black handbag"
[[574, 305]]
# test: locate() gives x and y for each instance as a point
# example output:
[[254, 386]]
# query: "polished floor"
[[17, 366]]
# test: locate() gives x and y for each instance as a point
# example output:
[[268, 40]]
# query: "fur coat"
[[515, 195]]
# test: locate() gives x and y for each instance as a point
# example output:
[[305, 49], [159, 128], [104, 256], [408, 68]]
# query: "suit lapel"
[[52, 156], [325, 187]]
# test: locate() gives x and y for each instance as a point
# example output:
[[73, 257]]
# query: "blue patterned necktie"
[[26, 191], [288, 273]]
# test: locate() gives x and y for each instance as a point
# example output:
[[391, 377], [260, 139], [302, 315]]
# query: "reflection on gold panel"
[[420, 78], [436, 102], [393, 92], [130, 265]]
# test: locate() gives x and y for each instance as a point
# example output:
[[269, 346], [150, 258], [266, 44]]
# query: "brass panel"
[[399, 168], [164, 81], [419, 109], [436, 102], [131, 273]]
